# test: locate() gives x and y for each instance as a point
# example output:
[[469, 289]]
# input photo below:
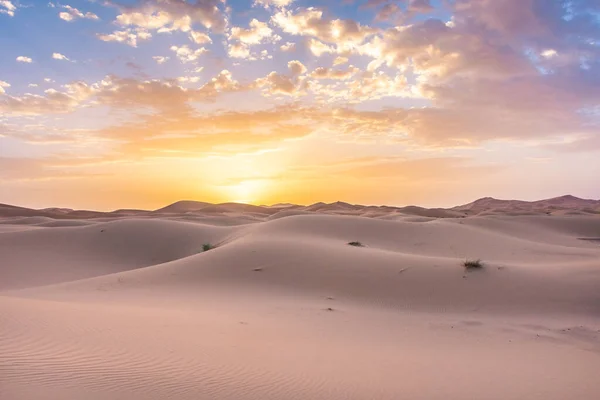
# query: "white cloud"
[[238, 50], [3, 85], [188, 79], [73, 13], [274, 3], [185, 54], [340, 61], [549, 53], [374, 65], [154, 20], [319, 48], [296, 67], [33, 85], [334, 74], [24, 59], [257, 32], [66, 16], [7, 7], [172, 15], [200, 37], [58, 56], [346, 33], [129, 36], [275, 84], [288, 46], [53, 101], [160, 59]]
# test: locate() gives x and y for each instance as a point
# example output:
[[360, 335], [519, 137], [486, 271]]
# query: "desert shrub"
[[473, 264], [207, 247], [356, 244]]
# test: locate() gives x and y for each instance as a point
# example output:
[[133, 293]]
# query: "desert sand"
[[127, 305]]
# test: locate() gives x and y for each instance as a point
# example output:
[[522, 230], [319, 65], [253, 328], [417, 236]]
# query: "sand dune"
[[282, 308], [52, 255], [182, 207], [548, 206], [564, 205]]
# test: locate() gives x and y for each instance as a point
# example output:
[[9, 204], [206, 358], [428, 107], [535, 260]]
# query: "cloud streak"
[[72, 14]]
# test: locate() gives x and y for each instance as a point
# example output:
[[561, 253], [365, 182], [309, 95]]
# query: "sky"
[[137, 104]]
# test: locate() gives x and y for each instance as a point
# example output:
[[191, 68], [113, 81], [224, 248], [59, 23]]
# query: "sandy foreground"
[[131, 308]]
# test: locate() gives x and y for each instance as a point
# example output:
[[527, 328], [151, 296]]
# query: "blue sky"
[[370, 101]]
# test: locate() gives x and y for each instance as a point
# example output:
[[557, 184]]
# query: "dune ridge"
[[487, 205]]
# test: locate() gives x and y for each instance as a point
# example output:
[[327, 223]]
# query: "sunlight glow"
[[248, 191]]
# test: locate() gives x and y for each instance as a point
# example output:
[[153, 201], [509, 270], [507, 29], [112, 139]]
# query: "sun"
[[246, 191]]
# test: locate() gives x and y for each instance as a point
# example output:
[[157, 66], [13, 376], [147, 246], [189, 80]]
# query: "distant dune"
[[556, 204], [183, 206], [127, 305], [487, 206]]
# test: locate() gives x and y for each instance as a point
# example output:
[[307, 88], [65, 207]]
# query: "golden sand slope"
[[285, 309]]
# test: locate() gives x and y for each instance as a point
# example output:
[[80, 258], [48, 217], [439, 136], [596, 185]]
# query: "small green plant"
[[473, 264], [207, 247], [356, 244]]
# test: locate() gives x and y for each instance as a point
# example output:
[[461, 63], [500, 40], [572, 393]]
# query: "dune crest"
[[487, 206]]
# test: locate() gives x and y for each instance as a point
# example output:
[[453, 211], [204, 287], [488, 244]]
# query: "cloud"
[[121, 94], [340, 61], [73, 13], [162, 95], [172, 15], [66, 16], [200, 37], [330, 73], [359, 87], [3, 85], [217, 133], [294, 84], [296, 67], [188, 79], [7, 7], [275, 83], [240, 40], [288, 46], [24, 59], [255, 34], [549, 53], [399, 10], [273, 3], [58, 56], [52, 102], [319, 48], [160, 59], [129, 36], [185, 54], [238, 50], [345, 34], [423, 6]]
